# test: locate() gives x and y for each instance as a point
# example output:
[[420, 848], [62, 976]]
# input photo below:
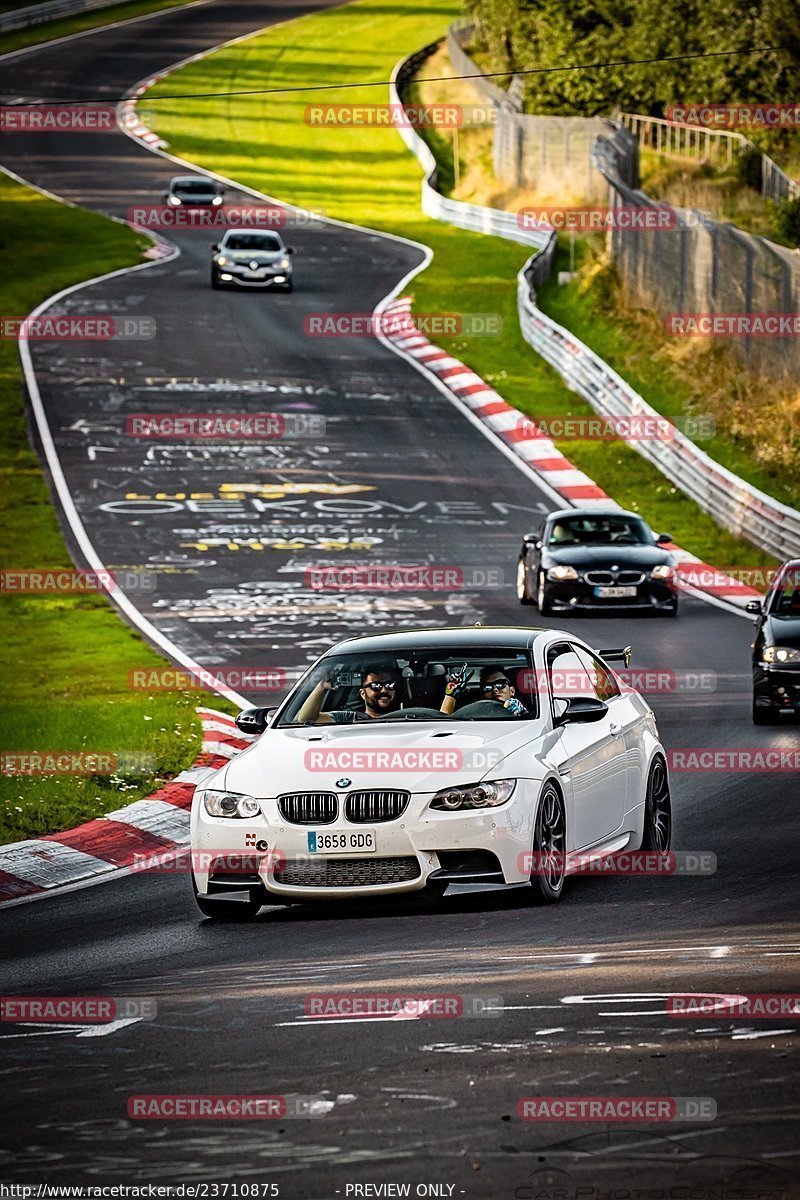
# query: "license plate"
[[614, 593], [360, 841], [255, 274]]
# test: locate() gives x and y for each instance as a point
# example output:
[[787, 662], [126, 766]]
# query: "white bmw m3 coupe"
[[414, 760]]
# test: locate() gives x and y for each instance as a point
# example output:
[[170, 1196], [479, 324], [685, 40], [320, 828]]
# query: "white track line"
[[71, 37]]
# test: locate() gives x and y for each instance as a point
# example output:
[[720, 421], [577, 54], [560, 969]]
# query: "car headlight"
[[217, 200], [662, 571], [562, 573], [476, 795], [173, 200], [780, 654], [284, 264], [222, 261], [230, 804]]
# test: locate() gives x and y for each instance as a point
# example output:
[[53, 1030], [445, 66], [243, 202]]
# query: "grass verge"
[[18, 39], [364, 174], [66, 658]]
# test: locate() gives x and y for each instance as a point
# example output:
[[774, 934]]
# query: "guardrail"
[[741, 508], [39, 14], [474, 217]]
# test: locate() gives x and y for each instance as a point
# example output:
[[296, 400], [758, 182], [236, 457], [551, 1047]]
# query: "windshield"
[[193, 185], [613, 530], [489, 684], [252, 241], [786, 596]]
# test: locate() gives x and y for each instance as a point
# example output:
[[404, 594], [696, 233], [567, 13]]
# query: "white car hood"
[[422, 758]]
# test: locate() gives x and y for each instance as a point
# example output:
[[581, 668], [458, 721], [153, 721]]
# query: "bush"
[[786, 215], [747, 168]]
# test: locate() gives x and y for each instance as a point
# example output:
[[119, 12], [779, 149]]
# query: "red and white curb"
[[539, 452], [151, 827]]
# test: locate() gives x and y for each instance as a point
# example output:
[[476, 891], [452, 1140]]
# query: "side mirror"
[[754, 606], [663, 538], [290, 249], [215, 245], [579, 708], [254, 720]]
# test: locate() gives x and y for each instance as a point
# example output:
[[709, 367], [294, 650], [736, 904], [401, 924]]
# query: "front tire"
[[657, 810], [543, 599], [549, 848], [763, 716], [215, 283], [523, 595]]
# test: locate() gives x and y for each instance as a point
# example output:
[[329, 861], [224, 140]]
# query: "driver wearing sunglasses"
[[495, 685], [378, 690]]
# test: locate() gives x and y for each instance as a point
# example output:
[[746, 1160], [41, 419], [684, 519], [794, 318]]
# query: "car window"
[[604, 683], [785, 599], [567, 675], [252, 241], [335, 689], [600, 530]]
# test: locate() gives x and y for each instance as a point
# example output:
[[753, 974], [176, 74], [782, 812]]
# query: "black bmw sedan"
[[776, 648], [591, 558]]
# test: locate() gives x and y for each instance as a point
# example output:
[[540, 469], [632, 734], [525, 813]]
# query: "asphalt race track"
[[230, 531]]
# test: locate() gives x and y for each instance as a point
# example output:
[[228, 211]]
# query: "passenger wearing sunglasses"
[[495, 685], [377, 690]]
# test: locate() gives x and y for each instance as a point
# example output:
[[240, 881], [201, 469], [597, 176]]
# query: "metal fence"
[[713, 145], [736, 504], [706, 266], [39, 14], [552, 154]]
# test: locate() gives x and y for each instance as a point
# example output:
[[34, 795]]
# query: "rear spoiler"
[[623, 654]]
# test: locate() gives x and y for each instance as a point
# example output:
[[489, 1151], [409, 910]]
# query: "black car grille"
[[614, 578], [347, 872], [364, 807], [309, 808]]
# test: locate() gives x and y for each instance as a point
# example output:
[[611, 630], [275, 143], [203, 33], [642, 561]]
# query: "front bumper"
[[776, 686], [578, 594], [420, 847], [242, 277]]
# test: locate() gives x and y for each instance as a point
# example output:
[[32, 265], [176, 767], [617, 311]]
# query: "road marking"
[[78, 1030]]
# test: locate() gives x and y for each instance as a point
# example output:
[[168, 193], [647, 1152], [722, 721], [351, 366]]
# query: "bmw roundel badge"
[[343, 782]]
